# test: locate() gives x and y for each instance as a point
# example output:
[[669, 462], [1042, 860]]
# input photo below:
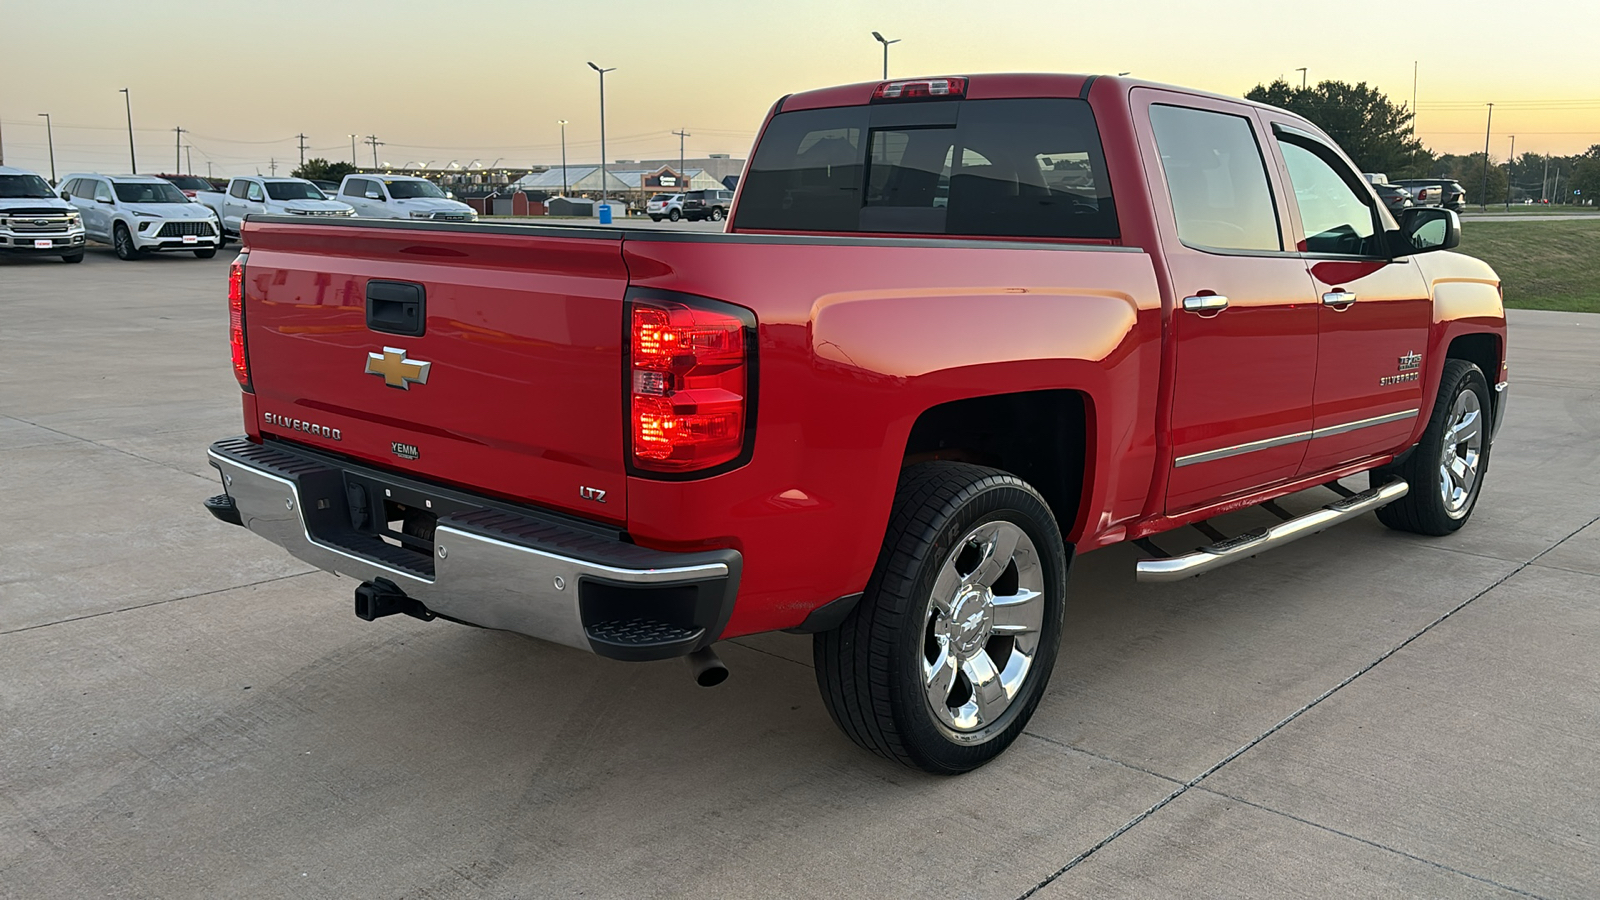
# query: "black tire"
[[1425, 509], [122, 242], [870, 669], [674, 215], [655, 218], [716, 214], [206, 253], [73, 257]]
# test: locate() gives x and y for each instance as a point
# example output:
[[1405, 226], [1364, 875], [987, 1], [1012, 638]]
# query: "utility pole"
[[133, 163], [563, 157], [1510, 161], [885, 42], [1302, 71], [49, 136], [1413, 96], [302, 138], [208, 168], [373, 140], [188, 158], [604, 180], [681, 135], [1484, 200], [272, 166], [2, 146], [177, 150], [353, 161], [1544, 183]]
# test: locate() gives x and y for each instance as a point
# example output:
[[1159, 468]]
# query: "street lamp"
[[1302, 71], [563, 157], [603, 179], [885, 42], [49, 136], [133, 164]]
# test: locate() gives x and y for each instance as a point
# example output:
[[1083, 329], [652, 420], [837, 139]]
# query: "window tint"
[[102, 191], [71, 188], [238, 188], [253, 192], [1334, 217], [355, 187], [1005, 168], [1217, 179]]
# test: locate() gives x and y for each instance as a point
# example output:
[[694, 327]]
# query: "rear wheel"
[[1446, 468], [946, 656], [716, 214], [655, 218], [73, 257], [122, 242], [674, 215]]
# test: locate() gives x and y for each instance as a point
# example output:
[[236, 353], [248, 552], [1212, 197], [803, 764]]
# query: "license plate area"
[[399, 515]]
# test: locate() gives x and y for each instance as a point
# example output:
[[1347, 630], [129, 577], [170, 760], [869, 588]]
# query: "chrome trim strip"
[[1246, 545], [1285, 440], [1365, 423], [1240, 449], [477, 579]]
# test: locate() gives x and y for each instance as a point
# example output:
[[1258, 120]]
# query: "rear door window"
[[1217, 179], [993, 168]]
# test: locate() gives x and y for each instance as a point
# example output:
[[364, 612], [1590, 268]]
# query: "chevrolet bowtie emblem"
[[397, 371]]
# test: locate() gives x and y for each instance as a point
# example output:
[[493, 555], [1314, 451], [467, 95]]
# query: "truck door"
[[233, 206], [1244, 323], [1374, 312]]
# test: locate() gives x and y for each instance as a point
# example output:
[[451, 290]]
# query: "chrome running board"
[[1250, 543]]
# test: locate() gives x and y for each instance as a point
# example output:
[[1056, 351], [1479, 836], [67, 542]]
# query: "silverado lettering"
[[956, 331]]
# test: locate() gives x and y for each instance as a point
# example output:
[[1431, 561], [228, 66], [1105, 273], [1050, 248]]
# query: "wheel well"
[[1038, 436], [1482, 350]]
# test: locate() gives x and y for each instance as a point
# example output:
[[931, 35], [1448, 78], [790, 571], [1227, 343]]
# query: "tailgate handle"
[[397, 307]]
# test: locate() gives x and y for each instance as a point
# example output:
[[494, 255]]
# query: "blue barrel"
[[605, 214]]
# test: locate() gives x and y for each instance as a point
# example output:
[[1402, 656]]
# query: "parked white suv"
[[257, 196], [665, 206], [401, 197], [34, 221], [139, 214]]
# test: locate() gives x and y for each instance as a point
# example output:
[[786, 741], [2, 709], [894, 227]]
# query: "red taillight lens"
[[690, 383], [241, 362], [922, 88]]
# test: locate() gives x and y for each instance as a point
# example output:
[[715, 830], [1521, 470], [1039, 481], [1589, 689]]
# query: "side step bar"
[[1250, 543]]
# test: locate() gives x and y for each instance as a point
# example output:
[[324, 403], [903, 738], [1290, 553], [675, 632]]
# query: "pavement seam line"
[[1102, 757], [1215, 767], [112, 612], [94, 443], [786, 659], [1372, 843]]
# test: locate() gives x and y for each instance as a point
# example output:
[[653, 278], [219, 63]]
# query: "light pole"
[[1510, 161], [1302, 71], [177, 150], [49, 136], [563, 157], [353, 161], [885, 42], [604, 184], [133, 163], [188, 158], [1484, 200]]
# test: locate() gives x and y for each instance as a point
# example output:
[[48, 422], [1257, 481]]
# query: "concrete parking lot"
[[186, 711]]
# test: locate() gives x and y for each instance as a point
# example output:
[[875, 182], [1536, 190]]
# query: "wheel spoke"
[[1467, 428], [998, 548], [945, 587], [1460, 473], [987, 690], [938, 677], [1019, 613]]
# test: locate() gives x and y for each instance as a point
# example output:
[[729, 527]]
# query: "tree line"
[[1377, 134]]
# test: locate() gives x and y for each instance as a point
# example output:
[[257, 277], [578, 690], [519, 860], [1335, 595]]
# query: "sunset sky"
[[488, 79]]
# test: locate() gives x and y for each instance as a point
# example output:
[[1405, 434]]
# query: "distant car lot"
[[190, 712]]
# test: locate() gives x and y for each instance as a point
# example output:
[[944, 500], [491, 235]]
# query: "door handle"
[[1205, 303], [1340, 300]]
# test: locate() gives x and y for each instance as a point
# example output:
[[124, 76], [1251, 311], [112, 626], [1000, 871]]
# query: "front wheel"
[[655, 218], [73, 257], [943, 661], [206, 253], [122, 242], [1446, 468]]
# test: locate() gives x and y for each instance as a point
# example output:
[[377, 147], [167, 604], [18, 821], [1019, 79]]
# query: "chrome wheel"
[[982, 628], [1461, 455]]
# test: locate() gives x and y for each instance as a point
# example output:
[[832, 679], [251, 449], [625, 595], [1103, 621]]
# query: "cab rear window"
[[992, 168]]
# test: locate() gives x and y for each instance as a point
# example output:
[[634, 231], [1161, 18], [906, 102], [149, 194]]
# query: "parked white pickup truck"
[[255, 195]]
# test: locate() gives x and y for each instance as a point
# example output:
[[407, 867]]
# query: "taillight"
[[921, 88], [691, 382], [241, 361]]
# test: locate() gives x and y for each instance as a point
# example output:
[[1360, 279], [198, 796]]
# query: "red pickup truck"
[[957, 331]]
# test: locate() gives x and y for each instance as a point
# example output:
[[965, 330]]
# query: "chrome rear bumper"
[[489, 565]]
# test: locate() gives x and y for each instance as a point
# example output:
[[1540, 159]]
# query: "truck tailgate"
[[513, 388]]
